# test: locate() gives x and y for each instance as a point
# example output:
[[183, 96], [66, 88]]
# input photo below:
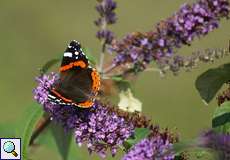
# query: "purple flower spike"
[[149, 149], [106, 10], [190, 22], [98, 127], [107, 17], [107, 35]]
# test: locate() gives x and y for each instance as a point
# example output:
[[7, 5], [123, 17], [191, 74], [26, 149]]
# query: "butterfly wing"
[[79, 83], [74, 57]]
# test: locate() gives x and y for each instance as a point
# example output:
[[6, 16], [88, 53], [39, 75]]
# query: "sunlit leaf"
[[62, 139], [221, 118], [140, 133], [209, 82], [128, 102]]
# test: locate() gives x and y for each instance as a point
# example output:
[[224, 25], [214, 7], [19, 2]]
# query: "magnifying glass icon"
[[9, 147]]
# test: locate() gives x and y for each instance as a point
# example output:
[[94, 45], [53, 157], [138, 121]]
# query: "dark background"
[[32, 32]]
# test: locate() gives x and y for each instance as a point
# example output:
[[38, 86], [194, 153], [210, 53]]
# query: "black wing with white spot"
[[74, 53]]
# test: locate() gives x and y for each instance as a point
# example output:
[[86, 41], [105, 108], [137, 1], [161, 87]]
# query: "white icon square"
[[10, 148]]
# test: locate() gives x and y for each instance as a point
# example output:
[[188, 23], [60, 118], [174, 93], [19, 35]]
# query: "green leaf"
[[200, 154], [49, 64], [48, 140], [91, 58], [181, 146], [122, 83], [221, 118], [195, 153], [34, 113], [62, 139], [209, 82], [223, 128], [117, 78], [139, 134]]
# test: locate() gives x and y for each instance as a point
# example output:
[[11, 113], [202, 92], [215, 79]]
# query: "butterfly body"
[[79, 83]]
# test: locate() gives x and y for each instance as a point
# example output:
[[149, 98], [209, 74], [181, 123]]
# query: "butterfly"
[[79, 82]]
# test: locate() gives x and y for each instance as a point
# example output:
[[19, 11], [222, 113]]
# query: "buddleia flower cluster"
[[190, 22], [101, 127], [178, 62], [156, 146], [97, 127]]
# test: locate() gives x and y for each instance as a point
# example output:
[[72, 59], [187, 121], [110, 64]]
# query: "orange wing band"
[[96, 81], [73, 64], [60, 96], [86, 104]]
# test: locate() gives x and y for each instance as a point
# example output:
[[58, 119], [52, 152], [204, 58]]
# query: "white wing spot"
[[50, 96], [68, 54], [76, 53]]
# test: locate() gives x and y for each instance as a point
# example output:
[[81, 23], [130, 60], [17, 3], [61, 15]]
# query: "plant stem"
[[42, 124], [109, 69], [102, 57], [103, 43]]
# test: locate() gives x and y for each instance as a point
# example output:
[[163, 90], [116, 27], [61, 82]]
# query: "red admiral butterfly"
[[79, 83]]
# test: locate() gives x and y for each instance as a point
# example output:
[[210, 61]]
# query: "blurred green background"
[[32, 32]]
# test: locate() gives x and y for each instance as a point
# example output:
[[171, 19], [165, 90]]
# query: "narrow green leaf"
[[140, 133], [223, 128], [48, 140], [221, 118], [181, 146], [49, 64], [122, 83], [62, 139], [209, 82], [31, 120], [117, 78]]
